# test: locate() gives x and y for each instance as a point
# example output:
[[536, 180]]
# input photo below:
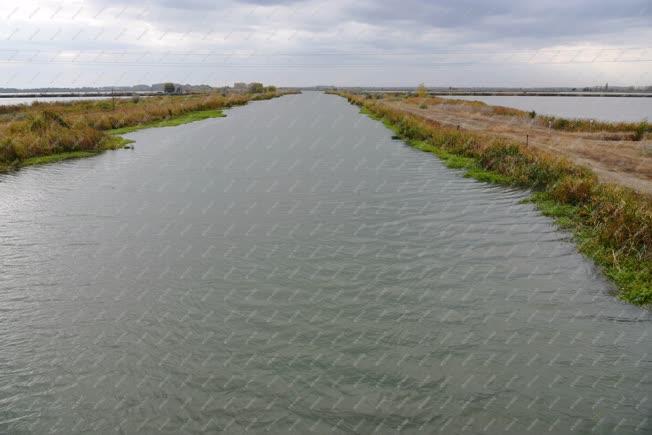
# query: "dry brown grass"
[[50, 128], [614, 156]]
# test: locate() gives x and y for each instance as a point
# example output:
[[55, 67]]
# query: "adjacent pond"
[[291, 267], [11, 101], [630, 109]]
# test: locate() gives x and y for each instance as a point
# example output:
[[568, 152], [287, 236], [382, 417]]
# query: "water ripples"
[[303, 272]]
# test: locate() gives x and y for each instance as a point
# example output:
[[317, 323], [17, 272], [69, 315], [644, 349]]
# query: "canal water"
[[292, 268]]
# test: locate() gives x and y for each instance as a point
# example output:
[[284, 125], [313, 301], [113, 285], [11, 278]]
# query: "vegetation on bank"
[[170, 122], [612, 225], [637, 130], [46, 132], [53, 158]]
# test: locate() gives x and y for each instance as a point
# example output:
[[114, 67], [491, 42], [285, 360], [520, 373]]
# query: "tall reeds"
[[43, 129]]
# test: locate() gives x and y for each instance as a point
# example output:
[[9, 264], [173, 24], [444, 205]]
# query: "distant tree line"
[[252, 88], [259, 88]]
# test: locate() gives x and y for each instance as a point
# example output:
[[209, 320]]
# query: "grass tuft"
[[52, 158], [45, 132]]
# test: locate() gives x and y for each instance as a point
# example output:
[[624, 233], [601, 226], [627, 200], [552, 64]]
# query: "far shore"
[[534, 94]]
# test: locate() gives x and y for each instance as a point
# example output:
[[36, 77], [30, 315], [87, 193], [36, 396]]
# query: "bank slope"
[[611, 225]]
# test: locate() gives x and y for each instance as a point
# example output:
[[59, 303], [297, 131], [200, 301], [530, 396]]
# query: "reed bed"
[[611, 224], [28, 133]]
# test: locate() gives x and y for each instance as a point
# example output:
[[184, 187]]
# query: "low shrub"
[[592, 125], [574, 191]]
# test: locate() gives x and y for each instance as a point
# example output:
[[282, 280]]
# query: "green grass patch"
[[110, 143], [631, 275], [114, 142], [472, 166], [370, 114], [564, 214], [610, 224], [170, 122], [53, 158]]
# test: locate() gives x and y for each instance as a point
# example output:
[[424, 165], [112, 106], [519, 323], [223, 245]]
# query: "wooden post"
[[527, 139]]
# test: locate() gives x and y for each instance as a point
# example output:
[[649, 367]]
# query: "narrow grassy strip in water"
[[171, 122], [110, 143], [610, 225], [52, 158], [469, 164]]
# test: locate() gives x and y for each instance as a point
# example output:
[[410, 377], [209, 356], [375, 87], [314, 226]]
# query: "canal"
[[291, 267]]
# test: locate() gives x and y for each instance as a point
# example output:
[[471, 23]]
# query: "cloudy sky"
[[339, 42]]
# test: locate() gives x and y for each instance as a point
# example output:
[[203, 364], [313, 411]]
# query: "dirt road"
[[613, 157]]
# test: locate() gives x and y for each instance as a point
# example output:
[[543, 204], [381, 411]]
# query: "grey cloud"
[[392, 33], [508, 18], [474, 21], [270, 2]]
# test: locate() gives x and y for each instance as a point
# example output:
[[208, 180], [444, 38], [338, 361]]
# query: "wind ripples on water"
[[291, 267]]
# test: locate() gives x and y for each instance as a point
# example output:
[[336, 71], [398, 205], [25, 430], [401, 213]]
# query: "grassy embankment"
[[636, 130], [612, 225], [50, 132]]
